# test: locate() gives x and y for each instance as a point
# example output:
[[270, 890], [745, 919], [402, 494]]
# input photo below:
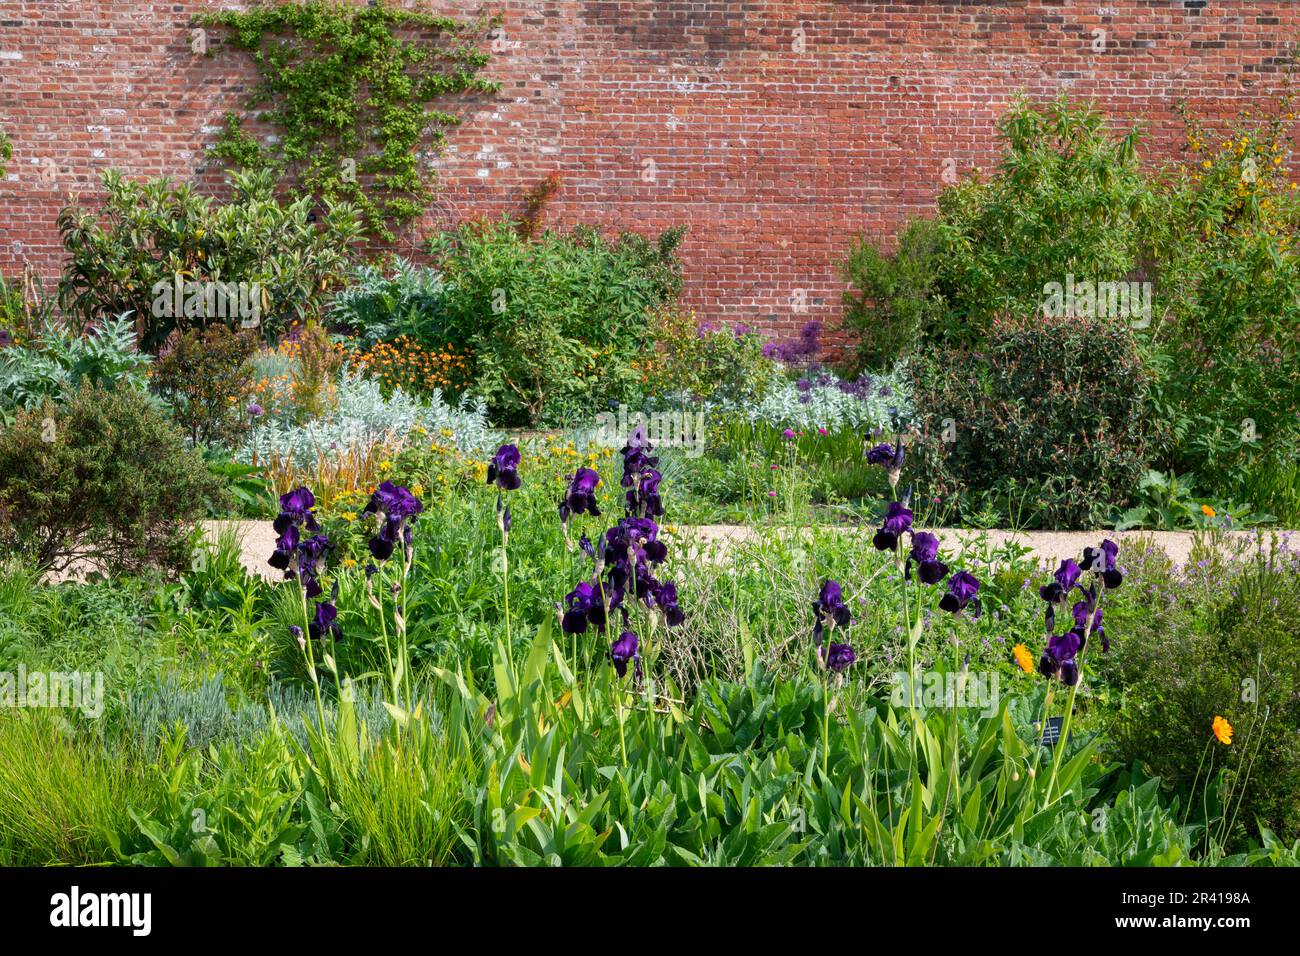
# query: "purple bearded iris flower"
[[1081, 610], [631, 546], [640, 476], [326, 619], [398, 509], [296, 557], [636, 455], [1065, 580], [665, 598], [890, 457], [624, 650], [643, 497], [580, 498], [962, 588], [1102, 561], [295, 514], [925, 552], [829, 610], [311, 554], [503, 469], [584, 608], [839, 658], [898, 521], [1058, 658]]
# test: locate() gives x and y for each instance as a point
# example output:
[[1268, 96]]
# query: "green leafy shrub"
[[1054, 407], [1210, 640], [56, 364], [555, 323], [206, 377], [695, 363], [105, 481], [1067, 197], [375, 308], [1226, 337], [127, 256]]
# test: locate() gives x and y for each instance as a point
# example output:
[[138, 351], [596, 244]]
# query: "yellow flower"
[[1222, 730], [1024, 658], [417, 490], [1207, 511], [385, 465], [349, 562], [349, 516]]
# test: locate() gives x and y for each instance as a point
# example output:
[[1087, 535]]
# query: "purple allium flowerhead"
[[771, 350], [838, 659], [503, 469], [255, 410], [580, 497], [1058, 658], [1102, 561], [829, 610], [962, 588], [925, 552], [898, 520], [624, 650], [584, 608]]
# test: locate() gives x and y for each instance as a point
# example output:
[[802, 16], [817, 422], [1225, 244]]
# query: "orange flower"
[[1222, 730], [1024, 658], [1207, 511]]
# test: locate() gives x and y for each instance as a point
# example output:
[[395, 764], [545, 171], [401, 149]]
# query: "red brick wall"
[[776, 130]]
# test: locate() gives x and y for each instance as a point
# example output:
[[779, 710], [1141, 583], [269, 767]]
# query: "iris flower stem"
[[505, 587], [826, 711], [911, 660], [399, 625], [311, 657], [1069, 707], [383, 630], [1192, 793]]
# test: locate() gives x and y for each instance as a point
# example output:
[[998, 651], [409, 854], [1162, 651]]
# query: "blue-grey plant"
[[362, 416]]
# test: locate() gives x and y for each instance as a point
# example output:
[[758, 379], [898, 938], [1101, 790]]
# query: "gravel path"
[[258, 540]]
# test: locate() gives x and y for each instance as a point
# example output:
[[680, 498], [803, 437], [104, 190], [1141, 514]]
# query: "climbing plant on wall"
[[348, 93], [6, 150]]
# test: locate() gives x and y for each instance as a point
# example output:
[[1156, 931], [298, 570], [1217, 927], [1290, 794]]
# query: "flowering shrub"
[[693, 362], [415, 368]]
